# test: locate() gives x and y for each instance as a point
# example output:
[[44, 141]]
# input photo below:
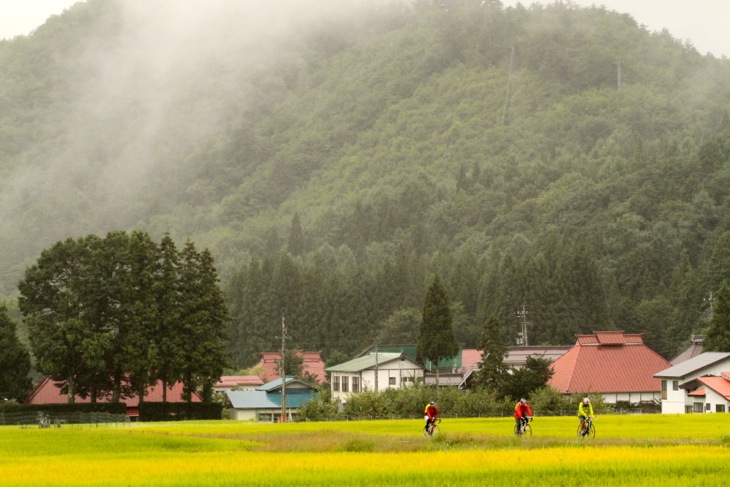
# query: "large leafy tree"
[[14, 361], [436, 340], [57, 301], [532, 376], [718, 333]]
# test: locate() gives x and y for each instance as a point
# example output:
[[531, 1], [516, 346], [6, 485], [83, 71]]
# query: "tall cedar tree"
[[492, 371], [167, 339], [204, 318], [436, 340], [717, 337], [14, 361]]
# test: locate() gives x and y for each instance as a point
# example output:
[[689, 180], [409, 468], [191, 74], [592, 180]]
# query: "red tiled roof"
[[312, 364], [718, 384], [701, 392], [470, 358], [239, 381], [608, 362], [610, 338], [47, 393]]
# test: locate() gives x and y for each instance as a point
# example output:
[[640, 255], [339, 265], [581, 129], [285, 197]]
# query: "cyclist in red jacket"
[[522, 410], [432, 414]]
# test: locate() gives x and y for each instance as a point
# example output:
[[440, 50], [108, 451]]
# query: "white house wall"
[[678, 401], [715, 401], [391, 375], [632, 397]]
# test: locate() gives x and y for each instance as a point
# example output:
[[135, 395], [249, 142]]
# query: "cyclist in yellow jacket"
[[585, 410]]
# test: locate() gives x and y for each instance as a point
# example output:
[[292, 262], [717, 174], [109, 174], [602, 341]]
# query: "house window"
[[391, 381], [675, 385], [698, 407], [719, 408], [336, 383], [664, 389], [355, 384], [708, 407], [345, 387]]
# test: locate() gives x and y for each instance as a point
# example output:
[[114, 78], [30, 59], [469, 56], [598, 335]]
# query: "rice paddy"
[[628, 450]]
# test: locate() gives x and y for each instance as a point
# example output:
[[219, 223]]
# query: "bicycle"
[[433, 428], [587, 429], [523, 428]]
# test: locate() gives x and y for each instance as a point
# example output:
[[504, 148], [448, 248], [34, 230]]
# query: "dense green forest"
[[559, 158]]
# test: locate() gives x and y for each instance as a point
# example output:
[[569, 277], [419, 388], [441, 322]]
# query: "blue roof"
[[268, 400]]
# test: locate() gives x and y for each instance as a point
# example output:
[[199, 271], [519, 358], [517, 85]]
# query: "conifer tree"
[[14, 361], [436, 340], [492, 371]]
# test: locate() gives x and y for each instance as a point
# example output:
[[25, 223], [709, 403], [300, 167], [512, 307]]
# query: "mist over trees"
[[332, 159]]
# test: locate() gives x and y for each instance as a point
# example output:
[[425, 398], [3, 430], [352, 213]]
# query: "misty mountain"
[[557, 157]]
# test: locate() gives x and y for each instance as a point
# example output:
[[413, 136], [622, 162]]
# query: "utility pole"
[[711, 302], [509, 79], [618, 72], [283, 367], [522, 340], [376, 368]]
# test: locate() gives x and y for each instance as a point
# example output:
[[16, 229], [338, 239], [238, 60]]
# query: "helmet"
[[433, 403], [523, 400], [586, 400]]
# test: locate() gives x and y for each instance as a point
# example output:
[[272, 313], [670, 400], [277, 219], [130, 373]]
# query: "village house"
[[373, 372], [264, 404], [312, 365], [617, 365], [699, 384], [49, 392], [238, 383]]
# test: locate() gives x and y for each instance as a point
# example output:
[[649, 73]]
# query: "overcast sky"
[[703, 22]]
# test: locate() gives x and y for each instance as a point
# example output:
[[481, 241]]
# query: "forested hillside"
[[334, 159]]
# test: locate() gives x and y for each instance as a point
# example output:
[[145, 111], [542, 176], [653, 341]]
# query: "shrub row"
[[411, 402]]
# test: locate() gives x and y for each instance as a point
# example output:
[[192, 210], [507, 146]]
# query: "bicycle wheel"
[[517, 430], [591, 432], [434, 430], [528, 431]]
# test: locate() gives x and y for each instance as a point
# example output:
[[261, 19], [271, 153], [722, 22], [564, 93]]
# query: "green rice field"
[[657, 450]]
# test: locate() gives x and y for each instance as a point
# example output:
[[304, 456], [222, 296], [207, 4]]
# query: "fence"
[[44, 419]]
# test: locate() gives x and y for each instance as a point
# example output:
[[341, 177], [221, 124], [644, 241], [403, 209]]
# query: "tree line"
[[108, 317]]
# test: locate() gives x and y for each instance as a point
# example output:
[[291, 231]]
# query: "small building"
[[238, 383], [312, 365], [695, 348], [617, 365], [699, 384], [374, 372], [516, 358], [264, 403], [48, 391]]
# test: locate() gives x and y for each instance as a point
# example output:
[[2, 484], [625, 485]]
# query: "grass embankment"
[[628, 450]]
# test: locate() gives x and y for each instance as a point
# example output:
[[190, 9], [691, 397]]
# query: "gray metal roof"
[[366, 362], [693, 365]]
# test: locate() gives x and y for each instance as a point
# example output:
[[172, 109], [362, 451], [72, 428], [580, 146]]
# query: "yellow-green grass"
[[628, 450]]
